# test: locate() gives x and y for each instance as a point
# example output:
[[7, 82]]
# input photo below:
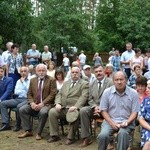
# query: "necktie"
[[73, 84], [99, 86], [39, 92]]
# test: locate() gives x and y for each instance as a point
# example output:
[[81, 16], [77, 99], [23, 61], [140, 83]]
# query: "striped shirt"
[[119, 107]]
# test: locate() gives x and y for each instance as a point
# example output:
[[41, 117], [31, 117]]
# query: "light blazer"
[[94, 95], [49, 90], [76, 96]]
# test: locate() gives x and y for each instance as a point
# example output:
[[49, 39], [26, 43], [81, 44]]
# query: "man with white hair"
[[8, 52], [41, 94], [70, 99]]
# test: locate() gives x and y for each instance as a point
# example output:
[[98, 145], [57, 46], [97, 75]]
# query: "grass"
[[9, 141]]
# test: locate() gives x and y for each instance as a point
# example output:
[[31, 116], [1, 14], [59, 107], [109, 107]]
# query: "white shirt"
[[82, 58], [66, 61], [46, 55], [5, 56], [2, 63]]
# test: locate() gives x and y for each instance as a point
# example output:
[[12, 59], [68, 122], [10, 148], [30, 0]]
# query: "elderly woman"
[[144, 120]]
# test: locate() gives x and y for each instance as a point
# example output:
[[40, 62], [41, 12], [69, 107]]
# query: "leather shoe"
[[53, 139], [85, 142], [38, 137], [5, 127], [25, 134], [69, 141]]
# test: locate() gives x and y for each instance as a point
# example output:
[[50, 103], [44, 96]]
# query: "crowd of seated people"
[[79, 95]]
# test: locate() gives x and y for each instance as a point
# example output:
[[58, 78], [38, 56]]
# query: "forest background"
[[90, 25]]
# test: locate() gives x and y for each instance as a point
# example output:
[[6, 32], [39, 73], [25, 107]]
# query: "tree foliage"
[[91, 25], [16, 20]]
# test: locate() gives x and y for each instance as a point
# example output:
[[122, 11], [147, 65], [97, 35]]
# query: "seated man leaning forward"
[[41, 94], [96, 90], [119, 106], [70, 99], [20, 92]]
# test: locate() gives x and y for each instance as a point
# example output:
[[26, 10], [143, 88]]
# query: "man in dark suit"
[[6, 86], [41, 94], [71, 98], [96, 90]]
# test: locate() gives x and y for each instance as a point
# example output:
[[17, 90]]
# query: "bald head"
[[120, 81], [24, 71], [75, 73], [34, 46], [75, 63]]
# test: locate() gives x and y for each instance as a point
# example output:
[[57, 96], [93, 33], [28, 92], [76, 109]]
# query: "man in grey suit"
[[69, 99], [41, 94], [96, 90]]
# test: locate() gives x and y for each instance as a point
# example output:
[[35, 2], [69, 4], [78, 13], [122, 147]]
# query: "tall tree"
[[133, 22], [15, 24], [106, 27]]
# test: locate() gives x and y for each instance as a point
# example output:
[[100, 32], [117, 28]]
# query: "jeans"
[[12, 103]]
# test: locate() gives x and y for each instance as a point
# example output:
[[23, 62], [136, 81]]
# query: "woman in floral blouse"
[[144, 120], [15, 61]]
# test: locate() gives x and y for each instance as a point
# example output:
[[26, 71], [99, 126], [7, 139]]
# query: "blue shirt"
[[21, 88], [131, 81], [119, 106], [32, 52], [126, 56], [115, 61]]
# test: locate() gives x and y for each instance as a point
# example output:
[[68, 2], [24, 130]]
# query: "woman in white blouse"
[[59, 76]]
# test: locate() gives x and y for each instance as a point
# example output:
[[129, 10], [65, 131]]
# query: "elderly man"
[[33, 55], [41, 94], [76, 64], [46, 55], [70, 99], [8, 52], [96, 90], [119, 106], [20, 92]]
